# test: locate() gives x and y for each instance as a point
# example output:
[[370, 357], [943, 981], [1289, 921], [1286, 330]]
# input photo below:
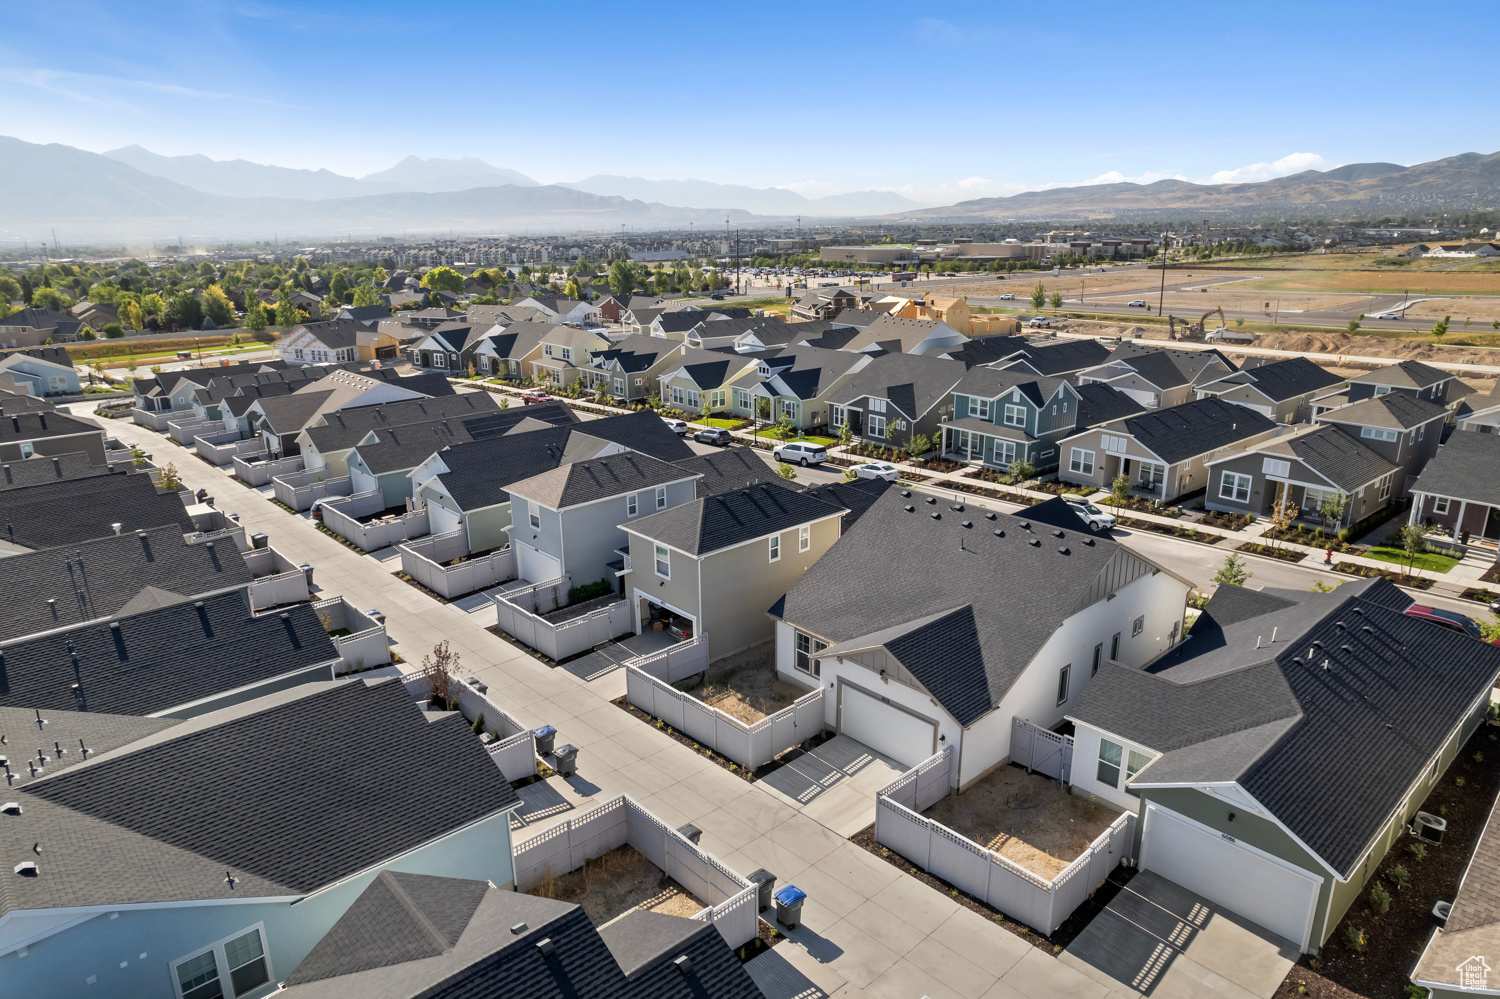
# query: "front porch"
[[1457, 524], [989, 445]]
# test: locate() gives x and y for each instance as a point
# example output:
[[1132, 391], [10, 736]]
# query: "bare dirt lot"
[[1026, 818], [620, 880], [745, 685]]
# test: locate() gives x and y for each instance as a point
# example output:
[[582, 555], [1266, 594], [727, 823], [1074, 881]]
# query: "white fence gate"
[[1038, 749], [732, 900], [999, 882], [518, 613]]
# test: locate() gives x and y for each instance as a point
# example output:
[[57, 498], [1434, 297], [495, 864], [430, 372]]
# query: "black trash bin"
[[789, 906], [567, 760], [691, 833], [765, 885], [544, 737]]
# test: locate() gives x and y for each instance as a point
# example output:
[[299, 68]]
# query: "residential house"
[[1480, 413], [279, 419], [1401, 428], [1000, 416], [1297, 472], [718, 331], [218, 907], [464, 487], [308, 303], [328, 441], [44, 371], [560, 308], [698, 381], [1260, 753], [1459, 488], [796, 383], [74, 510], [630, 369], [57, 468], [823, 303], [640, 318], [367, 315], [502, 351], [126, 573], [337, 341], [612, 308], [1099, 404], [676, 324], [95, 314], [1012, 622], [950, 310], [33, 327], [28, 432], [778, 336], [415, 936], [176, 391], [896, 397], [562, 354], [1052, 357], [1453, 962], [175, 661], [446, 347], [1164, 452], [1159, 377], [719, 561], [889, 334], [1407, 378], [1282, 389], [731, 469]]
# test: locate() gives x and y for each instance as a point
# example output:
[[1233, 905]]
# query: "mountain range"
[[763, 200]]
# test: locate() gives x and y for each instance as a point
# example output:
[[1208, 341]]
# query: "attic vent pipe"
[[117, 525]]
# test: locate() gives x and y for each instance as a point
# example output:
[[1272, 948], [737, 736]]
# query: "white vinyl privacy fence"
[[519, 614], [188, 425], [1036, 748], [366, 645], [261, 471], [752, 744], [223, 448], [278, 580], [299, 490], [150, 418], [730, 900], [1001, 883], [426, 560], [341, 516], [514, 751]]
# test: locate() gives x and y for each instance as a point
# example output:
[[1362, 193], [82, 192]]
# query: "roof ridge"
[[412, 909]]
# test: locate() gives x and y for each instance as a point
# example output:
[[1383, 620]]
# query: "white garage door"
[[1240, 878], [536, 566], [887, 729]]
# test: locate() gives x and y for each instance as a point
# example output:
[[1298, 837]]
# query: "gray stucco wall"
[[740, 584]]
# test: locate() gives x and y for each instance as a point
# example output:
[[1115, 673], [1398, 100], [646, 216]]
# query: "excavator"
[[1197, 328]]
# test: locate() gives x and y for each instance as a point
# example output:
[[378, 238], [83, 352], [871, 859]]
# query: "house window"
[[1377, 434], [1151, 476], [1005, 453], [1276, 467], [632, 504], [1382, 389], [1062, 683], [1114, 647], [776, 548], [620, 387], [678, 397], [1440, 505], [1098, 655], [789, 409], [1137, 626], [979, 407], [694, 400], [1134, 764], [661, 497], [1015, 416], [804, 537], [1385, 486], [663, 562], [835, 415], [1108, 771], [567, 353], [716, 399], [534, 514], [876, 405], [241, 959], [1112, 443], [1234, 486], [547, 349], [807, 648], [875, 426], [1081, 461]]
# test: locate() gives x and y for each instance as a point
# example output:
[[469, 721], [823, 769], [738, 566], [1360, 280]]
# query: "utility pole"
[[1161, 300]]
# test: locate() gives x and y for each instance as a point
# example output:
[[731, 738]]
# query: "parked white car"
[[1040, 322], [1139, 303], [1097, 518], [877, 470], [1007, 298], [802, 453], [676, 426]]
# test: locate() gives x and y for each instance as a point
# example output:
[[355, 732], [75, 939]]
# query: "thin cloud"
[[1255, 172], [78, 86]]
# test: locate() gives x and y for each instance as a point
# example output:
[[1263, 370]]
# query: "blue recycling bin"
[[789, 906]]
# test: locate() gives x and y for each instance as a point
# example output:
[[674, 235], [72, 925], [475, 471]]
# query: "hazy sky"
[[937, 101]]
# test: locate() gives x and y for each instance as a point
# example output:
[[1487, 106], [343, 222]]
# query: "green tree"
[[112, 331], [1414, 543], [1021, 470], [381, 277], [1441, 326], [339, 287], [1039, 295], [255, 318], [1119, 490], [185, 311], [1056, 300], [785, 471], [1332, 510], [365, 295], [1233, 571], [216, 306], [286, 312], [572, 290], [443, 279], [153, 305], [1353, 325], [846, 433], [621, 278], [10, 289]]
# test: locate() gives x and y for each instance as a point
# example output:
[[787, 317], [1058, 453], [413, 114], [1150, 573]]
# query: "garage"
[[886, 727], [1247, 881], [535, 566]]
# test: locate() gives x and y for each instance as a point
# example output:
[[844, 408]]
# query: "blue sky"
[[938, 101]]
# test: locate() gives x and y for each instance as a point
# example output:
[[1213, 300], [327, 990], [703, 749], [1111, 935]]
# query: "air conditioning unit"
[[1429, 827]]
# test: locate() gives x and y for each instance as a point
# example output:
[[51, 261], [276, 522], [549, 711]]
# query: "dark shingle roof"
[[105, 575], [34, 425], [346, 427], [1333, 454], [727, 519], [146, 663], [1465, 468], [855, 497], [729, 469], [1192, 428], [64, 513], [1330, 751], [991, 383], [40, 469], [1099, 403], [913, 383], [156, 808], [335, 333], [1189, 365], [1404, 374], [810, 371], [1060, 357], [635, 352], [1392, 411], [975, 615], [1278, 380], [590, 479]]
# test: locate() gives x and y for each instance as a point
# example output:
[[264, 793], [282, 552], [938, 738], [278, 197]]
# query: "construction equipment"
[[1197, 328]]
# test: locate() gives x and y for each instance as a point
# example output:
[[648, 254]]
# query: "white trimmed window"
[[1005, 452], [663, 562], [1385, 486], [679, 398], [716, 399], [1378, 434], [235, 966], [876, 405], [1440, 505], [1110, 756], [741, 399], [807, 649], [694, 400], [1015, 416], [1234, 486], [661, 497], [1063, 675], [1278, 467], [1081, 461], [632, 504], [804, 537], [789, 408], [1151, 475], [836, 416], [875, 426], [979, 407], [534, 514], [547, 350], [775, 548]]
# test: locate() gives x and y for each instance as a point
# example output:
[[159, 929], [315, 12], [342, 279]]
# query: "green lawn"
[[1431, 562], [825, 441], [714, 421]]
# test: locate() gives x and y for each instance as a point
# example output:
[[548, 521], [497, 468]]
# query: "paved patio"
[[1157, 939]]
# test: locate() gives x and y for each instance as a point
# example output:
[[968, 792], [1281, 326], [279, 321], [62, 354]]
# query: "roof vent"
[[1036, 542], [11, 808], [1058, 534], [937, 515], [1367, 629], [906, 492], [957, 508], [968, 523], [684, 964], [545, 946], [999, 533], [27, 869], [932, 499], [1064, 551], [910, 508], [198, 604], [1346, 648], [519, 929], [1089, 542], [284, 616], [990, 515], [1026, 525], [1359, 610]]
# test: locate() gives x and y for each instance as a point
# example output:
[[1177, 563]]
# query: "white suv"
[[1095, 517], [801, 453]]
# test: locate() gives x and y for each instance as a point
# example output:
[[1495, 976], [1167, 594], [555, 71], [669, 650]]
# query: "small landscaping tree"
[[917, 445], [1119, 491], [846, 434], [1021, 470], [1353, 325], [1413, 539], [1332, 510], [891, 432], [1233, 571], [1039, 295], [1440, 327], [170, 478], [786, 471], [440, 668], [1056, 300]]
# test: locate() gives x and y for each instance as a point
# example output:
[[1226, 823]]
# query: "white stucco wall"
[[1086, 766]]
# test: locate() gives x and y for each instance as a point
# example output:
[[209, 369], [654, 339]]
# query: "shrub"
[[478, 725], [1418, 850], [1478, 757], [1355, 939], [1399, 876], [1458, 782], [1380, 900], [588, 591]]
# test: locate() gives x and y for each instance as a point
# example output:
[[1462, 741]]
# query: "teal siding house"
[[1001, 416]]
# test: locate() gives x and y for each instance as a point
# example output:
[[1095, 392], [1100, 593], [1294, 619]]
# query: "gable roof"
[[1465, 468], [145, 663], [1192, 428], [1392, 411], [1099, 403], [991, 383], [979, 614], [1189, 365], [735, 467], [1058, 357], [1404, 374], [595, 478], [41, 469], [913, 383], [37, 425], [854, 497], [727, 519], [1329, 751], [336, 333], [809, 372], [635, 352], [1331, 453], [64, 513], [156, 807], [987, 349], [346, 427], [1277, 380], [895, 334]]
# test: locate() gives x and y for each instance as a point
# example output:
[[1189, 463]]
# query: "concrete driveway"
[[835, 784], [1157, 939]]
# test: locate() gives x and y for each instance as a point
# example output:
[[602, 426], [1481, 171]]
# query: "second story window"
[[877, 405], [663, 562], [776, 548], [804, 537], [547, 349], [534, 513], [979, 407], [567, 354], [661, 497], [632, 504], [1015, 416]]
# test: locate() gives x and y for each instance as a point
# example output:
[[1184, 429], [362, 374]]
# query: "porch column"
[[1415, 517], [1458, 525]]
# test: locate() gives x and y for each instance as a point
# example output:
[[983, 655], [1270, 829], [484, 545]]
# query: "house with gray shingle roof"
[[1299, 471], [1282, 389], [895, 397], [1460, 488], [797, 383], [1400, 427], [1001, 415], [698, 381], [1158, 377]]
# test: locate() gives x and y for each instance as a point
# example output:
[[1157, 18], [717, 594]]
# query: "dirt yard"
[[1026, 818], [621, 880], [745, 685]]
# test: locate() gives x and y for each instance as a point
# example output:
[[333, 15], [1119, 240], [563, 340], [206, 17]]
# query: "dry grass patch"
[[745, 685], [1026, 818], [620, 880]]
